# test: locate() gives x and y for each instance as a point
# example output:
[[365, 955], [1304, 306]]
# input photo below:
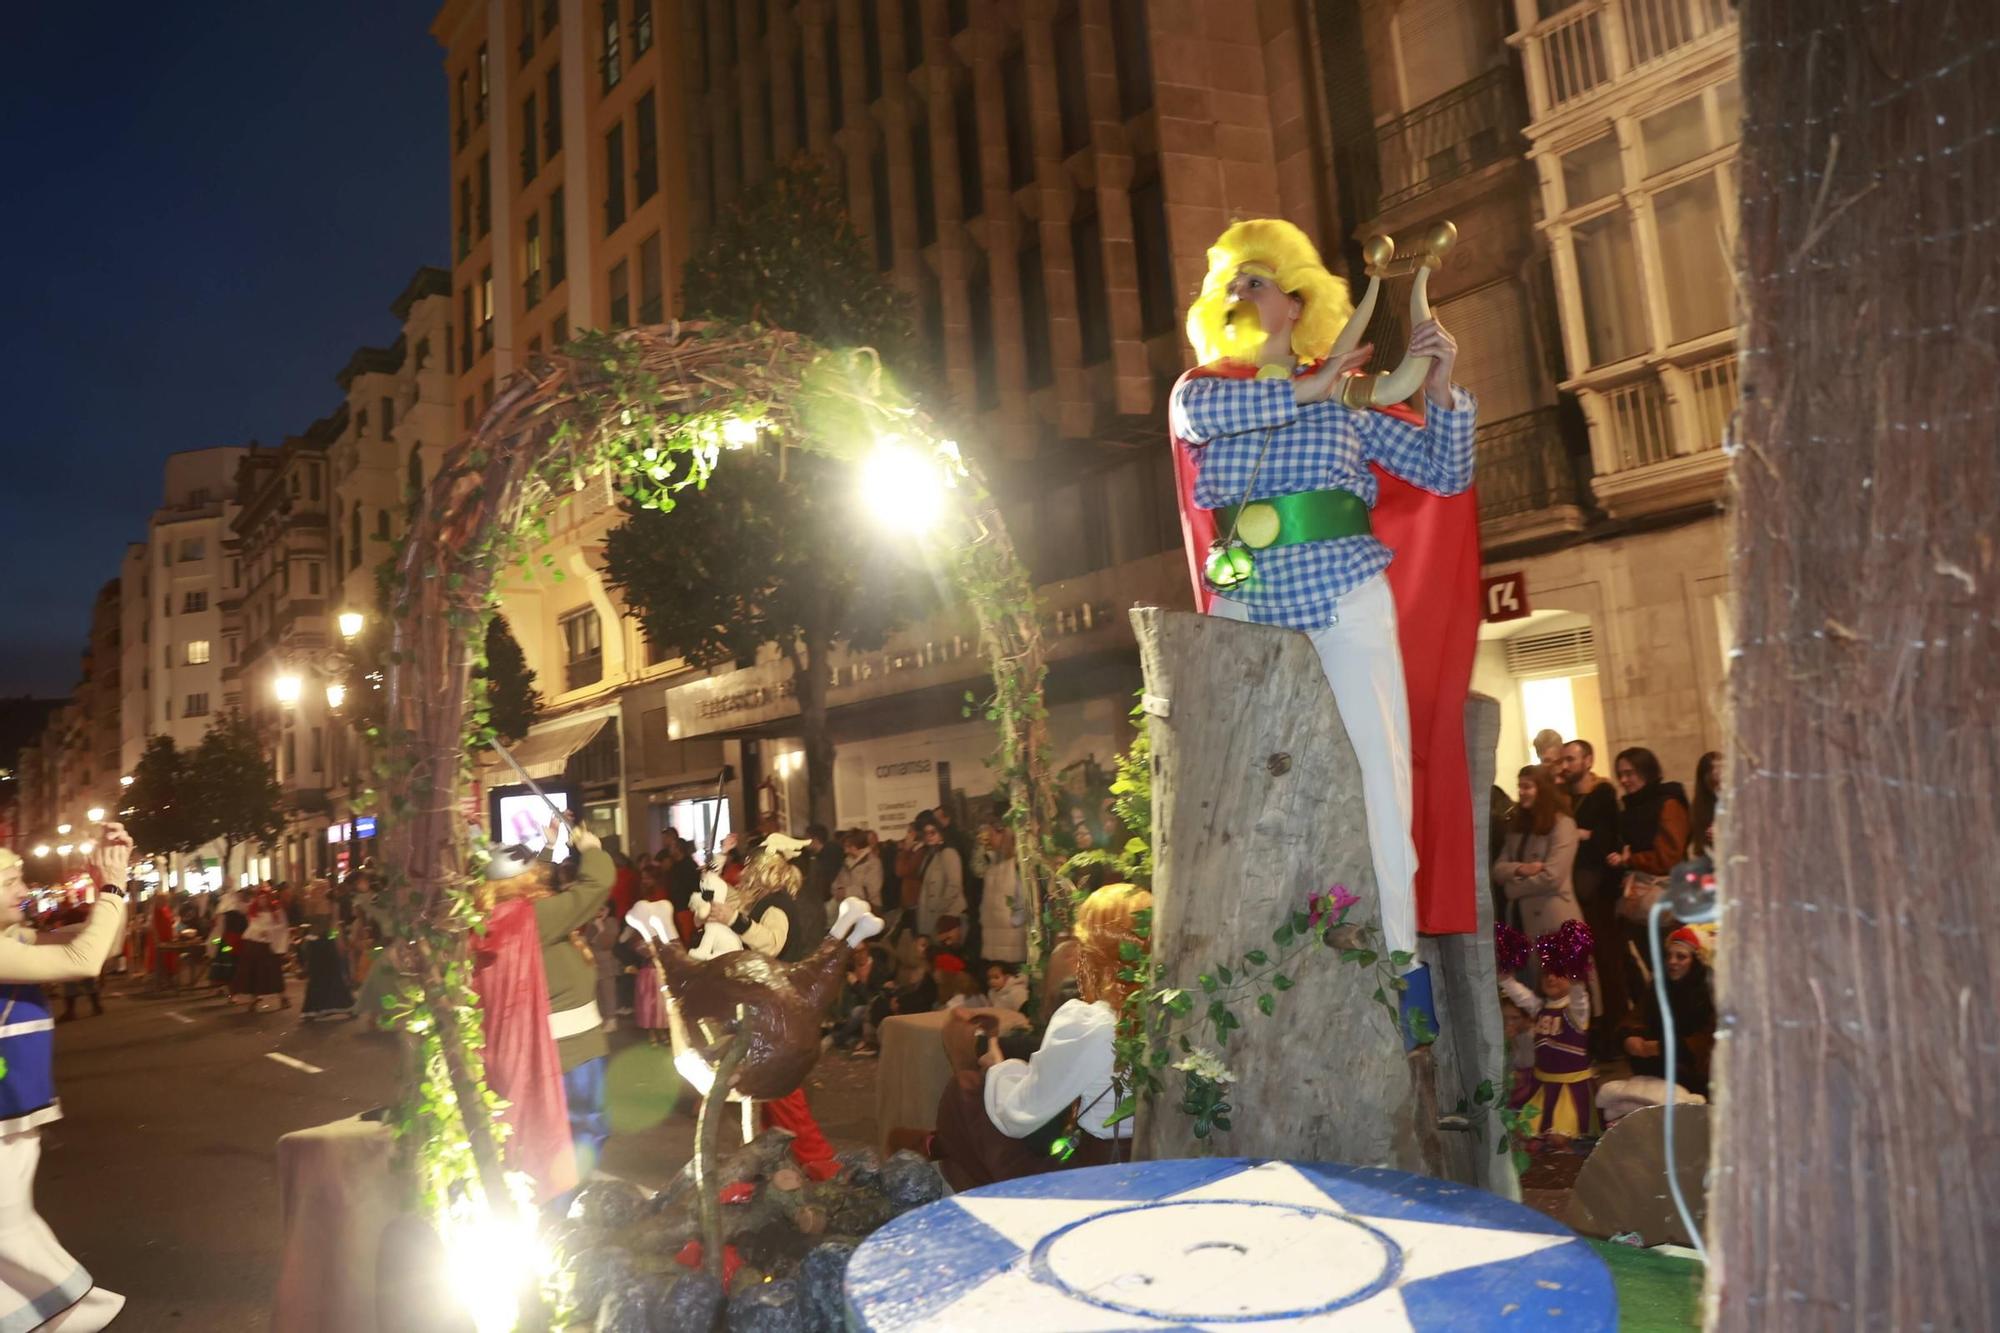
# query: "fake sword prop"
[[522, 774]]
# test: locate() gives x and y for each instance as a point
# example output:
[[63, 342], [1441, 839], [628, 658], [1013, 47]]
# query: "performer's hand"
[[1324, 383], [1528, 869], [584, 840], [111, 858], [1430, 339]]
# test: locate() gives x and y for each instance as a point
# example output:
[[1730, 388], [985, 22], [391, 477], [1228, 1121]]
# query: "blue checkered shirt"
[[1320, 446]]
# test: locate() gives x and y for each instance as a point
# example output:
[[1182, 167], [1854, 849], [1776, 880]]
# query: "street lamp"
[[95, 814], [62, 828], [350, 625], [903, 484], [125, 781], [41, 849], [64, 850], [336, 694], [287, 687], [86, 847]]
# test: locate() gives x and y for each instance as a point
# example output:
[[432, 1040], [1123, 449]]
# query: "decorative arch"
[[648, 412]]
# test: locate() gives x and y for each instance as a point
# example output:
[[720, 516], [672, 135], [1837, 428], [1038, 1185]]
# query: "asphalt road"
[[161, 1177]]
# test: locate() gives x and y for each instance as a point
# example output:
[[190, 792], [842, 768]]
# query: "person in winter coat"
[[1533, 869], [860, 874], [943, 885], [1003, 912], [42, 1286], [1654, 825], [1693, 1009]]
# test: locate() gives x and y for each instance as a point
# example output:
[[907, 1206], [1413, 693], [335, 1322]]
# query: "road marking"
[[295, 1064], [178, 1016]]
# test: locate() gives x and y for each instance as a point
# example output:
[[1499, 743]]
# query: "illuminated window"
[[197, 652]]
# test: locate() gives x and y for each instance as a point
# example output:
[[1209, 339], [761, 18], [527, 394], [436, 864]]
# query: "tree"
[[234, 788], [510, 685], [776, 548], [1859, 966], [160, 807]]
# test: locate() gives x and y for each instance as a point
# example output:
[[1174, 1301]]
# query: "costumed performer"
[[569, 976], [42, 1286], [1345, 491], [1562, 1103], [1012, 1118], [1692, 1006]]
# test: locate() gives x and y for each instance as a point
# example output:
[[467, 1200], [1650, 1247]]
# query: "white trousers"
[[42, 1286], [1363, 661]]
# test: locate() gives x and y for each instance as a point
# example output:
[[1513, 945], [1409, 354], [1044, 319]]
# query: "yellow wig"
[[1280, 251]]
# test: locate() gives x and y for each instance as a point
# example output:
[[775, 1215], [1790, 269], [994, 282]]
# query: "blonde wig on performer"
[[1224, 329], [1105, 922]]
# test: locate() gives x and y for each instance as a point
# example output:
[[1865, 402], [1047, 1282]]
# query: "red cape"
[[522, 1066], [1434, 577]]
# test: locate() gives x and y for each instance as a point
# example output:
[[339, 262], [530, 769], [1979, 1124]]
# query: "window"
[[642, 26], [610, 62], [957, 15], [192, 548], [878, 179], [312, 579], [621, 295], [965, 124], [469, 415], [312, 477], [559, 328], [1035, 318], [486, 308], [801, 123], [464, 97], [1676, 135], [527, 46], [485, 193], [485, 84], [550, 10], [614, 178], [530, 127], [194, 603], [416, 469], [985, 376], [1020, 130], [291, 768], [464, 216], [354, 538], [647, 169], [652, 297], [1135, 56], [552, 127], [1694, 254], [1072, 96], [871, 49], [925, 183], [1155, 258], [388, 416], [318, 749], [197, 706], [166, 553], [836, 94], [1086, 242], [1591, 171], [558, 232], [382, 515], [531, 253], [913, 33], [583, 650], [465, 326], [1607, 274], [197, 652]]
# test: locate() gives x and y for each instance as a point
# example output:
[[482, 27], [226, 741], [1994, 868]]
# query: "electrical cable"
[[1668, 1042]]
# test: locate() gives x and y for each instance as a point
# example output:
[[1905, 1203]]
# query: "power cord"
[[1669, 1042]]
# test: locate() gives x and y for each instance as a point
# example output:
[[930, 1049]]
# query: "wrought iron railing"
[[1450, 136], [1714, 390], [1523, 466], [1581, 46]]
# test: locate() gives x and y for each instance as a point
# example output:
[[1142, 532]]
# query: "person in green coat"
[[574, 1018]]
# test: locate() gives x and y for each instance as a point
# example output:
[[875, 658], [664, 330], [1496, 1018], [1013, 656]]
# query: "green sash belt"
[[1303, 516]]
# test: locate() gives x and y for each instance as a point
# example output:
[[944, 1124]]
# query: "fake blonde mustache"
[[1242, 327]]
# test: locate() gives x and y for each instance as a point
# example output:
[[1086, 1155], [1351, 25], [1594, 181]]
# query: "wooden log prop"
[[1257, 802]]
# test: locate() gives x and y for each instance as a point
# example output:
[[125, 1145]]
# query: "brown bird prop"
[[782, 1003]]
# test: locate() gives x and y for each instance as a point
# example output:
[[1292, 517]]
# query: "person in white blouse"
[[1010, 1118]]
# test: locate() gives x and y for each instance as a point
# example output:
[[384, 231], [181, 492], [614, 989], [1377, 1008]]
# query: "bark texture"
[[1854, 1180], [1256, 803]]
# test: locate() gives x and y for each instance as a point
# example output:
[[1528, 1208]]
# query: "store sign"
[[364, 827], [898, 787], [1506, 598]]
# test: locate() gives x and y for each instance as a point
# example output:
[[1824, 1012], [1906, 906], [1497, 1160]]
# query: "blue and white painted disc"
[[1227, 1244]]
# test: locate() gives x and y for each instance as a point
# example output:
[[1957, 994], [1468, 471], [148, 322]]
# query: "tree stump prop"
[[1257, 802]]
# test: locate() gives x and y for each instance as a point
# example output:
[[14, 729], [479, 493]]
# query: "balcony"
[[1472, 126], [1528, 482], [581, 671], [1578, 48], [1658, 438]]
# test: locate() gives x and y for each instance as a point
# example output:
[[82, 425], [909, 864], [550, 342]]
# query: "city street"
[[162, 1175]]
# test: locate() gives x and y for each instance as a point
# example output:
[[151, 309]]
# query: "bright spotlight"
[[86, 847], [350, 625], [336, 695], [64, 849], [903, 485], [125, 781], [41, 849], [738, 432], [63, 827], [95, 814], [287, 688]]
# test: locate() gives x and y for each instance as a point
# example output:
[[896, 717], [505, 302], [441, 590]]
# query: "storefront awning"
[[545, 753]]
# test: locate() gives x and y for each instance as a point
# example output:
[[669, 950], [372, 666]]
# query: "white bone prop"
[[1387, 388]]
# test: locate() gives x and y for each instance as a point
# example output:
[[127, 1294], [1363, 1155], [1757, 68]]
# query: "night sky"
[[213, 204]]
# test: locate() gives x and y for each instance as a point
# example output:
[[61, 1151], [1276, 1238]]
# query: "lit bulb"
[[336, 695], [95, 814], [41, 849], [86, 847], [64, 850], [125, 781], [903, 485], [350, 624], [737, 432], [63, 827], [287, 688]]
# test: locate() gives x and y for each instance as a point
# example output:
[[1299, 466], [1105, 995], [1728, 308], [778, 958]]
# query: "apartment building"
[[279, 628], [186, 585], [396, 422]]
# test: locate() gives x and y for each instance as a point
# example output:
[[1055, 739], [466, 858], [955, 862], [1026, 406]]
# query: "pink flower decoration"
[[1339, 899], [1333, 903]]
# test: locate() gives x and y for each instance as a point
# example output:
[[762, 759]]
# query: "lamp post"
[[328, 668]]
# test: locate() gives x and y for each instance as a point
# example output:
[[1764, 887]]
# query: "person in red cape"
[[1366, 539], [523, 1065]]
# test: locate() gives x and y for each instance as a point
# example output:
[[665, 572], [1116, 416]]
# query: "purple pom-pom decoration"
[[1510, 947], [1566, 951]]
